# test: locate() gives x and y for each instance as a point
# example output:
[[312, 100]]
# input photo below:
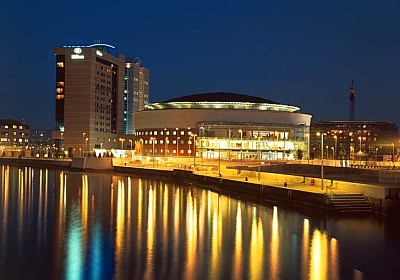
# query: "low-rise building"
[[355, 140], [14, 137]]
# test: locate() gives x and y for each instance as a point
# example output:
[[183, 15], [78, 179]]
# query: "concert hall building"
[[227, 125]]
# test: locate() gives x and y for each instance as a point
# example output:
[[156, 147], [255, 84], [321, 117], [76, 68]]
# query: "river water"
[[72, 225]]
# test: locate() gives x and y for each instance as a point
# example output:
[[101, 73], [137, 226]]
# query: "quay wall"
[[37, 162], [240, 189], [381, 197]]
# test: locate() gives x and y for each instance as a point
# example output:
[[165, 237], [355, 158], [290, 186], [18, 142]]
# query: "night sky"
[[302, 53]]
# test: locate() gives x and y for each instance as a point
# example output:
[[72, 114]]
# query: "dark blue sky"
[[302, 53]]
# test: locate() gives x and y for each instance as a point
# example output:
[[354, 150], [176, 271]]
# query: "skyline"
[[301, 54]]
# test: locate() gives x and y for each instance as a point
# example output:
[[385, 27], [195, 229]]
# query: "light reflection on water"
[[60, 224]]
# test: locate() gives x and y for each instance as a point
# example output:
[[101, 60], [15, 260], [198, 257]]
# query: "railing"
[[330, 190], [364, 193]]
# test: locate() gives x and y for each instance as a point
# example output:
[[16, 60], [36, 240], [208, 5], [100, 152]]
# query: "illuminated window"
[[14, 126], [174, 132], [59, 96], [59, 90], [155, 132], [182, 132], [60, 64], [60, 84], [6, 126]]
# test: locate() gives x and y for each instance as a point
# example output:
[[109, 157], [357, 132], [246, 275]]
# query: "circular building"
[[222, 125]]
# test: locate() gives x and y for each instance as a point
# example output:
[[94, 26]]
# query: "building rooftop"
[[220, 97], [12, 122], [221, 100]]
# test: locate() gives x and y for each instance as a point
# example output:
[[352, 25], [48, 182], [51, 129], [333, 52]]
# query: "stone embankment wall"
[[37, 162], [256, 192]]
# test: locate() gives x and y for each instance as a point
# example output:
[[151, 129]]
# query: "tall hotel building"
[[95, 96], [136, 92]]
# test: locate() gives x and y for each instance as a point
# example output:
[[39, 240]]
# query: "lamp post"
[[152, 141], [122, 143], [392, 151], [83, 147], [177, 146], [219, 158], [141, 146], [189, 143], [241, 146], [259, 158], [194, 150], [322, 159], [166, 146], [376, 154], [130, 141], [86, 145], [201, 143], [335, 150]]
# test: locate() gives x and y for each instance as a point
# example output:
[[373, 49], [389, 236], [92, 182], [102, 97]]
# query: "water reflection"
[[98, 226], [256, 247], [237, 272]]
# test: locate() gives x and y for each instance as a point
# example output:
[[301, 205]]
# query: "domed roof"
[[220, 97]]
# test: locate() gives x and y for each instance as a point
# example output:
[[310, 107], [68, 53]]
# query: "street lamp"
[[334, 155], [241, 146], [177, 146], [219, 158], [122, 143], [86, 145], [194, 149], [322, 159], [152, 141], [166, 146], [392, 151], [259, 158], [189, 143], [201, 143], [130, 141], [83, 137], [141, 146]]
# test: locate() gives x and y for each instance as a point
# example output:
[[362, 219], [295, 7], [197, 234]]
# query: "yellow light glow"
[[319, 256], [120, 230], [237, 272], [274, 266]]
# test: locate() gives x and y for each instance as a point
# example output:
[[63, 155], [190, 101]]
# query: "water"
[[69, 225]]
